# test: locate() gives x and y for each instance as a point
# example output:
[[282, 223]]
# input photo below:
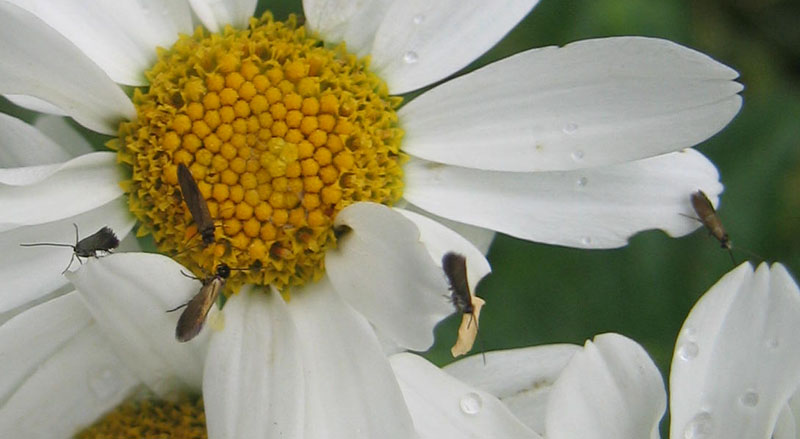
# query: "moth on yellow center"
[[278, 131]]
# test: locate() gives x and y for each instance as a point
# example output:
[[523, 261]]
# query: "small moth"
[[708, 216], [196, 203], [455, 269], [194, 316], [104, 240]]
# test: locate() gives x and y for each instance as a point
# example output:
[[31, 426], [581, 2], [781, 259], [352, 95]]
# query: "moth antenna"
[[52, 244], [77, 238], [177, 307]]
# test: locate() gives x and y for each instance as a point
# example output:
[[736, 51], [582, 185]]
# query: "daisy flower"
[[298, 141], [735, 374]]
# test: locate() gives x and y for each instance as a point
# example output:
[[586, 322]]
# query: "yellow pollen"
[[183, 419], [279, 133]]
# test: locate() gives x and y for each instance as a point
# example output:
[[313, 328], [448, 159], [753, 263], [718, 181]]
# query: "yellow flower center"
[[279, 133], [184, 419]]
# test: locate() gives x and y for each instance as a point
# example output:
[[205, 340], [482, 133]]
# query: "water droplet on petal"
[[577, 155], [700, 427], [582, 182], [586, 240], [471, 403], [418, 19], [570, 128], [410, 57], [103, 384], [773, 343], [749, 398], [688, 351], [689, 331]]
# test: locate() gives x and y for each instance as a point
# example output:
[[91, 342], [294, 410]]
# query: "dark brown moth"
[[196, 203], [104, 240], [455, 268], [708, 216], [194, 316]]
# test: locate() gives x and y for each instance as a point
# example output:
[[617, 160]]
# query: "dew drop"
[[570, 128], [700, 427], [103, 384], [410, 57], [749, 398], [586, 240], [689, 331], [582, 182], [688, 351], [773, 343], [577, 155], [418, 19], [471, 403]]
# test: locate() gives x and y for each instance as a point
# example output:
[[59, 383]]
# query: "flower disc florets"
[[279, 132]]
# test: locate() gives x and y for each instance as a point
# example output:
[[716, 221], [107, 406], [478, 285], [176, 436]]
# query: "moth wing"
[[194, 315], [194, 199], [455, 268]]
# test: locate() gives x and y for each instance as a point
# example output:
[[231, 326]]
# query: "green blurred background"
[[541, 294]]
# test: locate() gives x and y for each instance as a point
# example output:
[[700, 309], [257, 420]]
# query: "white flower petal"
[[120, 36], [383, 271], [40, 194], [737, 358], [128, 295], [254, 362], [420, 42], [786, 426], [589, 208], [24, 145], [63, 131], [35, 104], [443, 407], [590, 103], [216, 14], [32, 336], [40, 62], [439, 239], [352, 21], [478, 236], [68, 391], [32, 272], [610, 389], [350, 389], [521, 378]]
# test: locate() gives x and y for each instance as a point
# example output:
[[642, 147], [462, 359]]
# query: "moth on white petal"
[[469, 305], [104, 240], [194, 316]]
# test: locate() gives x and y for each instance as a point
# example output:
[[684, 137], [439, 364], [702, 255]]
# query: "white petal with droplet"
[[444, 407], [548, 207], [352, 21], [746, 363], [590, 103], [521, 378], [420, 42]]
